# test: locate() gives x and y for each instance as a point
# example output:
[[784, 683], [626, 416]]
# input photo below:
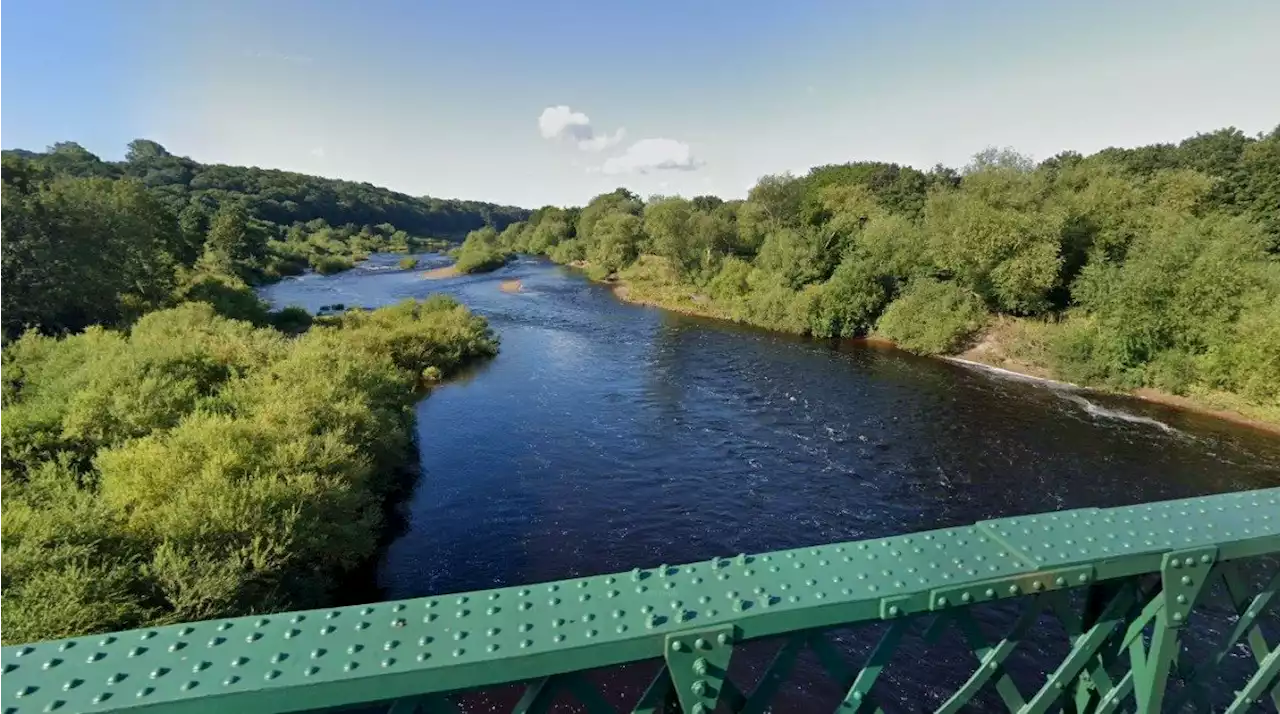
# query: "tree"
[[231, 245], [143, 150], [617, 241]]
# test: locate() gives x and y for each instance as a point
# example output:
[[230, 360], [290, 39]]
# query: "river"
[[607, 436]]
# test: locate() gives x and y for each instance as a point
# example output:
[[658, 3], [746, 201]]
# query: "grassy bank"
[[197, 467]]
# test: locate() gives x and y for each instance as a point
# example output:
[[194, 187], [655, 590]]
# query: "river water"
[[607, 436]]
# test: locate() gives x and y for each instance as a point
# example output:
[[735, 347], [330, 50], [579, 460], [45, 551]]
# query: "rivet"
[[355, 665], [699, 688], [1177, 617], [145, 691], [318, 653], [390, 661], [1013, 589], [990, 592], [272, 674], [724, 638], [942, 602], [1182, 599], [678, 646], [894, 611], [966, 597], [311, 670], [230, 680], [1186, 580]]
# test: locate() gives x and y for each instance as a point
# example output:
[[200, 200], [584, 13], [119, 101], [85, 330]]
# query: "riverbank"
[[448, 271], [312, 447], [1006, 344]]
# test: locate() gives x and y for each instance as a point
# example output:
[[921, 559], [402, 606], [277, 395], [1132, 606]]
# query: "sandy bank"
[[510, 286], [447, 271]]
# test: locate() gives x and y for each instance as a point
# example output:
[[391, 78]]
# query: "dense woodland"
[[89, 242], [1157, 266], [171, 449]]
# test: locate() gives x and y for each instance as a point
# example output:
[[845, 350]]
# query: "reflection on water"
[[607, 436]]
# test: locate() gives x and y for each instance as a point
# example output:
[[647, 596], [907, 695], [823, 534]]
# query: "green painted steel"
[[1145, 569]]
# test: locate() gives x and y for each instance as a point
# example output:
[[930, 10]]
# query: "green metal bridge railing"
[[1125, 586]]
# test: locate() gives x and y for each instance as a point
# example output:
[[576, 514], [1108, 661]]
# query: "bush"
[[408, 263], [480, 252], [932, 317], [201, 467], [292, 319], [331, 264], [849, 301]]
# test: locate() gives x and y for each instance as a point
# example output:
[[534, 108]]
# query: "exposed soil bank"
[[990, 350], [448, 271], [510, 286]]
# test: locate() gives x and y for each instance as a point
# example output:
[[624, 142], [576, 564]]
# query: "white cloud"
[[318, 152], [561, 122], [649, 155]]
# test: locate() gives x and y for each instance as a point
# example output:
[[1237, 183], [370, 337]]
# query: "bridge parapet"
[[1125, 583]]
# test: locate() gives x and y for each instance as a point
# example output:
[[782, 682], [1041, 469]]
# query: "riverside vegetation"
[[1150, 267], [171, 450]]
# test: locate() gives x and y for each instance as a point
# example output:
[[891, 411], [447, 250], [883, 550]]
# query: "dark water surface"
[[607, 436]]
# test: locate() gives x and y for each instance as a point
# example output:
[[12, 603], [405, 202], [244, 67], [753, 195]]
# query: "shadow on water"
[[607, 436]]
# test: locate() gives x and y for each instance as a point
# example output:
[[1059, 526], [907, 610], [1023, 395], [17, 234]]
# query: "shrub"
[[202, 467], [331, 264], [408, 263], [932, 317], [292, 319], [480, 252]]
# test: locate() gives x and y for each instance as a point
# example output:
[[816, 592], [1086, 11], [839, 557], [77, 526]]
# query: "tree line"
[[1156, 266], [91, 242]]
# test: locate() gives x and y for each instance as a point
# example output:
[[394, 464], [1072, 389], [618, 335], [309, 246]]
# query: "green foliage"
[[201, 467], [82, 251], [331, 264], [90, 242], [407, 263], [290, 320], [1157, 266], [932, 317], [849, 302], [481, 252]]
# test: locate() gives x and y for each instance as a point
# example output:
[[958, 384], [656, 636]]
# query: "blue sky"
[[552, 102]]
